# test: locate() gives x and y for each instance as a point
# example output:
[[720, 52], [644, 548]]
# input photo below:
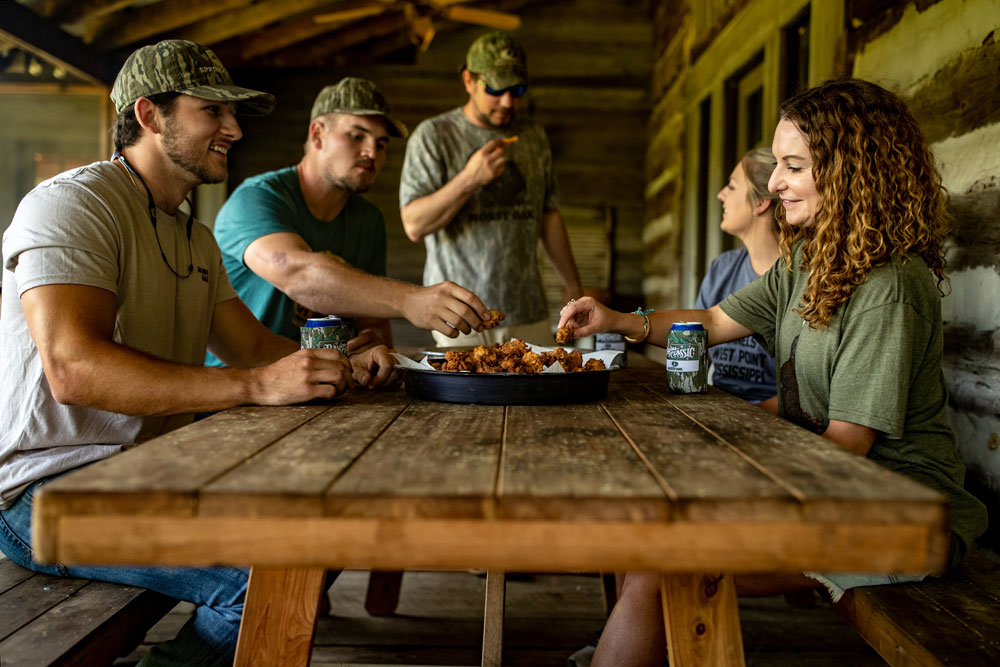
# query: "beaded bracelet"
[[645, 324]]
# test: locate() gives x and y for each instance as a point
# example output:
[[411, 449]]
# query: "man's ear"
[[469, 81], [316, 129], [148, 115]]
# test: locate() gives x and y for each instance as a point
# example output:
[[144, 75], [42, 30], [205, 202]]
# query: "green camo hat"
[[179, 66], [356, 97], [498, 59]]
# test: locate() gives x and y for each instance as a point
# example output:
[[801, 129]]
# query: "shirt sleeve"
[[877, 355], [58, 236], [250, 213], [756, 305], [423, 166]]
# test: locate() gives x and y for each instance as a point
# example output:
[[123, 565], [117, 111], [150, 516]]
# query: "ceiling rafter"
[[250, 19], [130, 26], [38, 35], [278, 36], [87, 10], [318, 50]]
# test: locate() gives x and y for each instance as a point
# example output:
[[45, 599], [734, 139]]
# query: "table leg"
[[496, 591], [383, 592], [279, 616], [702, 620]]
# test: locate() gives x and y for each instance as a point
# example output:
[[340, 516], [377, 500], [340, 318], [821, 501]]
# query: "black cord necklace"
[[152, 218]]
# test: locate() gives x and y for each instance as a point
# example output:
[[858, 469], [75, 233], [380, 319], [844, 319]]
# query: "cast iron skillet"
[[505, 388]]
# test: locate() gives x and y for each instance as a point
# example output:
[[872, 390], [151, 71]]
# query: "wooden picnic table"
[[698, 487]]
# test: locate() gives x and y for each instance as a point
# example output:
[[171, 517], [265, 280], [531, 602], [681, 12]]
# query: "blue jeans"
[[207, 639]]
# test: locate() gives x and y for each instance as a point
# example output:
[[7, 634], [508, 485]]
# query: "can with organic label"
[[329, 331], [687, 358]]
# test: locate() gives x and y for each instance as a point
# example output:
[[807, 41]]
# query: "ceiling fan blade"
[[420, 27], [483, 17], [441, 4], [358, 12]]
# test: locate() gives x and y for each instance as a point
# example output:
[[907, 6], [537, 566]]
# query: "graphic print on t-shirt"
[[789, 386]]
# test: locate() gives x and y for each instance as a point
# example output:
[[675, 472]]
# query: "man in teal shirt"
[[301, 242]]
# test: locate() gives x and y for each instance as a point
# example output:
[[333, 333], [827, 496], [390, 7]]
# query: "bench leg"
[[496, 590], [383, 592], [702, 620], [609, 591], [279, 616]]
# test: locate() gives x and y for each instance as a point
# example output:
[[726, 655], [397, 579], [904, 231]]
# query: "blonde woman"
[[743, 367], [852, 313]]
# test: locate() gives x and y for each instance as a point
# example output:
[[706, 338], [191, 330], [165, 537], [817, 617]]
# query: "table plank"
[[292, 475], [705, 478], [832, 483], [571, 462], [435, 459]]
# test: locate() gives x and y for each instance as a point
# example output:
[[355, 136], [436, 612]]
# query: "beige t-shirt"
[[90, 226]]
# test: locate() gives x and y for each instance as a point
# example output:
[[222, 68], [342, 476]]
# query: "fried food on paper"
[[565, 334], [515, 357], [496, 317]]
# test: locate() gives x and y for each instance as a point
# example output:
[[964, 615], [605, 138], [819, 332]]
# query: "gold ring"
[[570, 301]]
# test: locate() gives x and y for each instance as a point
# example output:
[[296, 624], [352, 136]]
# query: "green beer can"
[[687, 358], [329, 331]]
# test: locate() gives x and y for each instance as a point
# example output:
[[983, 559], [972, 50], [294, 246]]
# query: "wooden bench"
[[48, 620], [954, 620]]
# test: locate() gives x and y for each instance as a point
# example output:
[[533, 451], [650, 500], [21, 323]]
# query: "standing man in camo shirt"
[[477, 187]]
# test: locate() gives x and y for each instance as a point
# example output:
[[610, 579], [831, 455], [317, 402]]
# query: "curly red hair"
[[881, 194]]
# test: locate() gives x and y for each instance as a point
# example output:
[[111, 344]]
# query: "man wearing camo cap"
[[477, 187], [302, 242], [111, 295]]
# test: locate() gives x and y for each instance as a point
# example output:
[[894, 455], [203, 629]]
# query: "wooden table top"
[[642, 479]]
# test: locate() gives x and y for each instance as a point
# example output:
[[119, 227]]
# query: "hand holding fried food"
[[496, 317], [565, 334], [515, 357]]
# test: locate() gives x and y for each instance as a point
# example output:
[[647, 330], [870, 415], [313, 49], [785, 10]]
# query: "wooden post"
[[279, 616], [702, 620], [496, 590]]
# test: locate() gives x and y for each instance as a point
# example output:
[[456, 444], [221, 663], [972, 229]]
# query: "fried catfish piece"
[[496, 317], [565, 334]]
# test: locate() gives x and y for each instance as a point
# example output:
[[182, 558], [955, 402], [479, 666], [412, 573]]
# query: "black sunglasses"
[[515, 91]]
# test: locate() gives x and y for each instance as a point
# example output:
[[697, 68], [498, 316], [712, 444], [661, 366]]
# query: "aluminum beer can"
[[329, 331], [687, 358]]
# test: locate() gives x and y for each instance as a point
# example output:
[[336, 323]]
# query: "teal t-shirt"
[[272, 203], [878, 364]]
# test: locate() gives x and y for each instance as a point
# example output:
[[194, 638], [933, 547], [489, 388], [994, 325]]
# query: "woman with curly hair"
[[851, 313]]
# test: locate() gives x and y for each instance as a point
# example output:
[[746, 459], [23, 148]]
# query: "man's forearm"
[[430, 213], [330, 287], [115, 378], [555, 241]]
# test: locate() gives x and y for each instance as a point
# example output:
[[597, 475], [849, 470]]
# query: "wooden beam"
[[319, 50], [87, 10], [42, 37], [251, 18], [131, 26]]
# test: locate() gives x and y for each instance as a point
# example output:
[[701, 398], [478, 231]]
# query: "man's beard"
[[351, 184], [174, 146]]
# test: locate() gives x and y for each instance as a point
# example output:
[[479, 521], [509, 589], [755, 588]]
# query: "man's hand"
[[374, 367], [487, 163], [365, 340], [303, 376], [447, 308]]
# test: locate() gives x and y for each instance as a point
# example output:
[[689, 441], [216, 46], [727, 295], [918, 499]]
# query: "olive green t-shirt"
[[878, 364]]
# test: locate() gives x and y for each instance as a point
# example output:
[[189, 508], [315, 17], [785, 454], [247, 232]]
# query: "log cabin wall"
[[942, 56], [589, 68]]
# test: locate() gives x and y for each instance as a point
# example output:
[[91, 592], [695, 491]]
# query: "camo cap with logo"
[[179, 66], [356, 97], [498, 59]]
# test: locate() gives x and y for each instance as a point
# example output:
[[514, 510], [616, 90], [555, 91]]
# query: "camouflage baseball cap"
[[357, 97], [498, 59], [179, 66]]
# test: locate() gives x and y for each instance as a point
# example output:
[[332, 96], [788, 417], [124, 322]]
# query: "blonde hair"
[[880, 193]]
